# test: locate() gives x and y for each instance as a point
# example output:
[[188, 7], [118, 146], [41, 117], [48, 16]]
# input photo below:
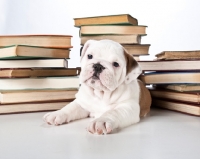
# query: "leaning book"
[[190, 97], [187, 108]]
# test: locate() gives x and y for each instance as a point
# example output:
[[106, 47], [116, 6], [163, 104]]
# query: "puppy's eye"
[[115, 64], [90, 56]]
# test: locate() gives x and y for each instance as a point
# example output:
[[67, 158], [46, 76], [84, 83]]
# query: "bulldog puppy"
[[110, 91]]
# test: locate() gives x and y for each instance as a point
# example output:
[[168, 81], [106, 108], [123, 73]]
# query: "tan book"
[[122, 39], [174, 65], [30, 96], [171, 77], [30, 52], [192, 109], [52, 41], [32, 107], [21, 73], [190, 97], [37, 63], [39, 83], [178, 55], [180, 87], [109, 19], [112, 29], [142, 49]]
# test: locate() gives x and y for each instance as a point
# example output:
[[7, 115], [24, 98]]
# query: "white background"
[[172, 24]]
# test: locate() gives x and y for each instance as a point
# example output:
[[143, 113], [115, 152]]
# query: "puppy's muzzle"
[[98, 68]]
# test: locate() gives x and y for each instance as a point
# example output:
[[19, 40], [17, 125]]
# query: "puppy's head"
[[105, 65]]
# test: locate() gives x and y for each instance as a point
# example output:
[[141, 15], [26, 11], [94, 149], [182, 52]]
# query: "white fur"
[[113, 100]]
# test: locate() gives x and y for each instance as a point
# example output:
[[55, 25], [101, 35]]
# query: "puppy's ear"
[[85, 47], [132, 68]]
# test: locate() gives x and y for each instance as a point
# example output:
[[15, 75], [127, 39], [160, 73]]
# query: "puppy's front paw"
[[55, 118], [101, 126]]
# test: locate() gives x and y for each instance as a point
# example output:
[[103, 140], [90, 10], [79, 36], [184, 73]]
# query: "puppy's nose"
[[98, 68]]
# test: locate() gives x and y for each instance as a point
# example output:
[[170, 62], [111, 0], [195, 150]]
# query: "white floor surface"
[[162, 135]]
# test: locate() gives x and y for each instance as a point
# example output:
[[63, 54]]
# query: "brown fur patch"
[[131, 63], [145, 99]]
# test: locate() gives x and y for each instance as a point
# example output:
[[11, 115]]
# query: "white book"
[[40, 83], [38, 63]]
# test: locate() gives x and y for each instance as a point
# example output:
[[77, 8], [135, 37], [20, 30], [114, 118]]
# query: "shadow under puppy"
[[110, 91]]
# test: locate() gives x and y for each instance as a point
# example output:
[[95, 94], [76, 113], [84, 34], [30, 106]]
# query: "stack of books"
[[34, 73], [122, 28], [175, 77]]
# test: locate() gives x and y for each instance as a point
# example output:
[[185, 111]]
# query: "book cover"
[[39, 83], [112, 29], [40, 72], [137, 49], [172, 65], [31, 52], [120, 19], [50, 41], [122, 39], [32, 107], [180, 87], [189, 97], [192, 109], [32, 96], [171, 77], [177, 55]]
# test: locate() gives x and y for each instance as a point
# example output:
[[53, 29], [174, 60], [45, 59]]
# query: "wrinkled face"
[[104, 65]]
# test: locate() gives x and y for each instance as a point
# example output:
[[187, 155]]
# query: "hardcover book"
[[32, 107], [122, 39], [177, 55], [37, 63], [50, 41], [109, 19], [32, 96], [52, 72], [174, 65], [39, 83], [112, 29], [141, 49], [30, 52], [171, 77], [192, 109], [180, 87], [189, 97]]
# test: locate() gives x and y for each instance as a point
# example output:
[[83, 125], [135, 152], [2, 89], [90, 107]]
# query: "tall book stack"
[[122, 28], [175, 77], [34, 73]]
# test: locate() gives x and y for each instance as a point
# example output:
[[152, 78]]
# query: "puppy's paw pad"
[[100, 127], [55, 118]]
